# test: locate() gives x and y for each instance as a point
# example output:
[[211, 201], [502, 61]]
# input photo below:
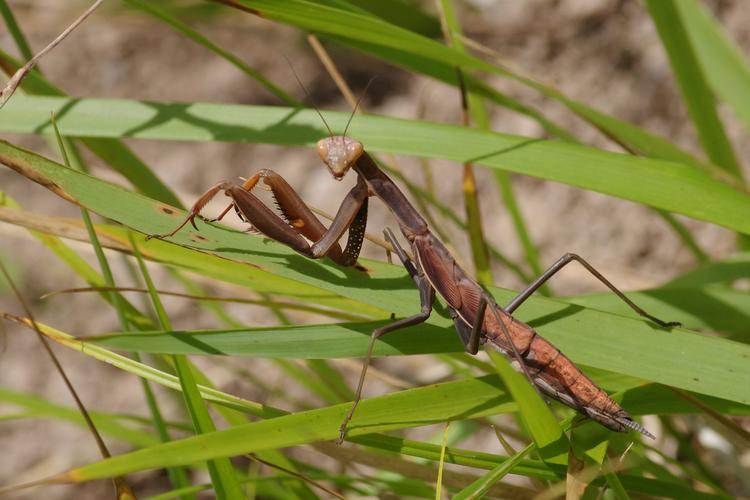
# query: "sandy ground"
[[603, 53]]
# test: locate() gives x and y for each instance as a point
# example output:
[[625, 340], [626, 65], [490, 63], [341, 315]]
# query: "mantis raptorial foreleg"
[[298, 220]]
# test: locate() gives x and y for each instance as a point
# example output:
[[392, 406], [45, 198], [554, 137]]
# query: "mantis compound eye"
[[339, 153]]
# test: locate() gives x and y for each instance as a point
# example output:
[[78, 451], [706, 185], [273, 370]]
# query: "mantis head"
[[339, 153]]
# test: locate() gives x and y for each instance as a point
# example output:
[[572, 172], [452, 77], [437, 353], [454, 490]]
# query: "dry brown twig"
[[19, 75]]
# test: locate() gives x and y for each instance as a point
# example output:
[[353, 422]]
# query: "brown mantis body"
[[476, 317]]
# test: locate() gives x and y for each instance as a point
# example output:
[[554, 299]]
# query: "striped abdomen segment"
[[557, 376]]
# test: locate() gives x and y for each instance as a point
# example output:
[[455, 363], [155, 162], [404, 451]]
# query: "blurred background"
[[604, 53]]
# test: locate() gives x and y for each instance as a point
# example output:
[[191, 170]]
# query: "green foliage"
[[623, 353]]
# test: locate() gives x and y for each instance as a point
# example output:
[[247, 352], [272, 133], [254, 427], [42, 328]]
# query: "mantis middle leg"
[[426, 298]]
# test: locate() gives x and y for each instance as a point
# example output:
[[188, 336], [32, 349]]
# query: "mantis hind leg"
[[564, 261]]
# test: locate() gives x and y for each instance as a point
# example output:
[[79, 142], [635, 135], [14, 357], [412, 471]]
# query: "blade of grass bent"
[[548, 436], [612, 342], [424, 408], [189, 32], [478, 488], [724, 66], [585, 337], [203, 264], [222, 472], [662, 184], [354, 27], [178, 476], [111, 151], [696, 94]]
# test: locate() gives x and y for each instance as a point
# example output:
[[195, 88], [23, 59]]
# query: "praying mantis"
[[476, 317]]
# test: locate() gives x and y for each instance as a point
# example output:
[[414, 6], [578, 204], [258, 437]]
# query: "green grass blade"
[[596, 339], [447, 74], [696, 94], [475, 107], [347, 340], [154, 375], [15, 31], [221, 470], [189, 32], [723, 63], [478, 488], [402, 409], [365, 29], [470, 458], [530, 251], [107, 423], [550, 441], [685, 237], [73, 260], [112, 152], [715, 308], [661, 184], [204, 264], [402, 13], [725, 272], [178, 476]]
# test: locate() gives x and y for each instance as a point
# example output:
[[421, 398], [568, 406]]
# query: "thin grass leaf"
[[222, 472], [15, 31], [458, 456], [696, 94], [150, 373], [441, 464], [478, 488], [479, 249], [108, 423], [595, 339], [723, 63], [178, 476], [548, 436], [685, 237], [447, 74], [350, 27], [407, 15], [189, 32], [724, 272], [614, 481], [670, 186], [112, 152]]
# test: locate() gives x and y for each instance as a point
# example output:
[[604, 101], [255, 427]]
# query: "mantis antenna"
[[356, 105], [312, 101]]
